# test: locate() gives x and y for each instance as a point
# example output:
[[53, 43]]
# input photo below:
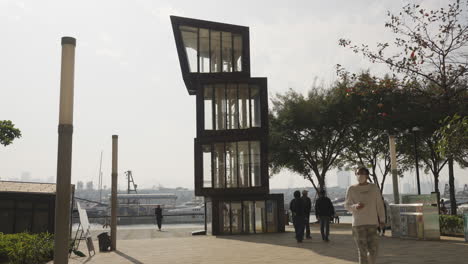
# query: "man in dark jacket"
[[308, 208], [298, 210], [324, 210], [159, 216]]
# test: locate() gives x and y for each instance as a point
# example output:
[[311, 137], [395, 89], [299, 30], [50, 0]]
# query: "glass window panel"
[[272, 216], [255, 102], [23, 216], [244, 110], [215, 43], [220, 106], [208, 106], [231, 164], [243, 153], [237, 39], [219, 168], [204, 50], [249, 217], [209, 217], [232, 109], [260, 217], [236, 213], [224, 218], [255, 163], [190, 39], [207, 166], [227, 51], [4, 204]]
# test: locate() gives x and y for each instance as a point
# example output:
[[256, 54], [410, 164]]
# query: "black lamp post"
[[415, 130]]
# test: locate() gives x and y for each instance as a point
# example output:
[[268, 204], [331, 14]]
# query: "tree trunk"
[[453, 202], [436, 183]]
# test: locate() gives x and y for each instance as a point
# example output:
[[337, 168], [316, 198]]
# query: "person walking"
[[298, 210], [365, 202], [324, 211], [159, 216], [308, 208]]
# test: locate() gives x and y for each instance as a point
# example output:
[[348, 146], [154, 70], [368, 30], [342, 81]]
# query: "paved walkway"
[[272, 249]]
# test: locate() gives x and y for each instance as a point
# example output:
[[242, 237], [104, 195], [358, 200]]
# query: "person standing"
[[365, 202], [159, 216], [298, 210], [324, 211], [308, 208]]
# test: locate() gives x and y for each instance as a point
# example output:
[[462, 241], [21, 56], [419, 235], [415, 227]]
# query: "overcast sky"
[[128, 80]]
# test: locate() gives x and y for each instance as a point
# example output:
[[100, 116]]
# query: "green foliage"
[[8, 132], [25, 248], [451, 224], [309, 133], [454, 139]]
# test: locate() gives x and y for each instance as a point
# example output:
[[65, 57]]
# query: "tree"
[[431, 48], [8, 132], [308, 133], [379, 107]]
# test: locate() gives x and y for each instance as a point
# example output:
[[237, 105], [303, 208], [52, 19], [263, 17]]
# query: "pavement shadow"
[[127, 257], [342, 246]]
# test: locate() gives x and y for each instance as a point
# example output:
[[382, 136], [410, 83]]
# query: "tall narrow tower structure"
[[231, 147]]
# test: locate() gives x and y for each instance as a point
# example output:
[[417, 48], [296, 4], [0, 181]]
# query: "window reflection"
[[232, 109], [215, 51], [208, 107], [219, 169], [204, 56], [236, 220], [207, 166], [255, 105], [212, 51], [237, 50], [255, 163], [190, 39], [227, 51], [260, 217], [272, 219], [220, 106], [231, 164], [224, 218], [249, 217]]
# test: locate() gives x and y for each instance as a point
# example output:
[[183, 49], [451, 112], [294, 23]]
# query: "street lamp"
[[64, 159], [415, 136]]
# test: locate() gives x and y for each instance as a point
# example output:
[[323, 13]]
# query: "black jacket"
[[324, 207], [158, 213], [308, 204], [297, 207]]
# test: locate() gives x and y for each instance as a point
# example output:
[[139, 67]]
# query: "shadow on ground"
[[391, 250]]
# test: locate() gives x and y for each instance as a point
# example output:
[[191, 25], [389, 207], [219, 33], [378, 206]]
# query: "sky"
[[128, 80]]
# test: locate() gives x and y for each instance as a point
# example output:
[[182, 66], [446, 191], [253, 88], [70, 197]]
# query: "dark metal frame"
[[195, 82], [192, 78], [216, 203]]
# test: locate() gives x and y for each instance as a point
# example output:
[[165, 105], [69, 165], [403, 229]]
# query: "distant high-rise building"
[[343, 179], [26, 176]]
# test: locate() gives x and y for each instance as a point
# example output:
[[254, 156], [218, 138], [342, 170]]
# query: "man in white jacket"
[[365, 202]]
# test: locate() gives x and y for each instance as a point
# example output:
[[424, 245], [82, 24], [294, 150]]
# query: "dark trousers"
[[307, 226], [299, 222], [325, 227], [159, 222]]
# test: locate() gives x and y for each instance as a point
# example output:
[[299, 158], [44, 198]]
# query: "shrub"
[[451, 224], [25, 248]]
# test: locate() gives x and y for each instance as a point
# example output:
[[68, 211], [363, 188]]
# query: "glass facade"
[[231, 164], [236, 217], [231, 106], [24, 215], [212, 51]]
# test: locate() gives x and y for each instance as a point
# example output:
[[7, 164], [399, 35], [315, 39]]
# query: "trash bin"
[[104, 242]]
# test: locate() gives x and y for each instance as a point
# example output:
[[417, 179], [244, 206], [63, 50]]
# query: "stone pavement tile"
[[276, 249]]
